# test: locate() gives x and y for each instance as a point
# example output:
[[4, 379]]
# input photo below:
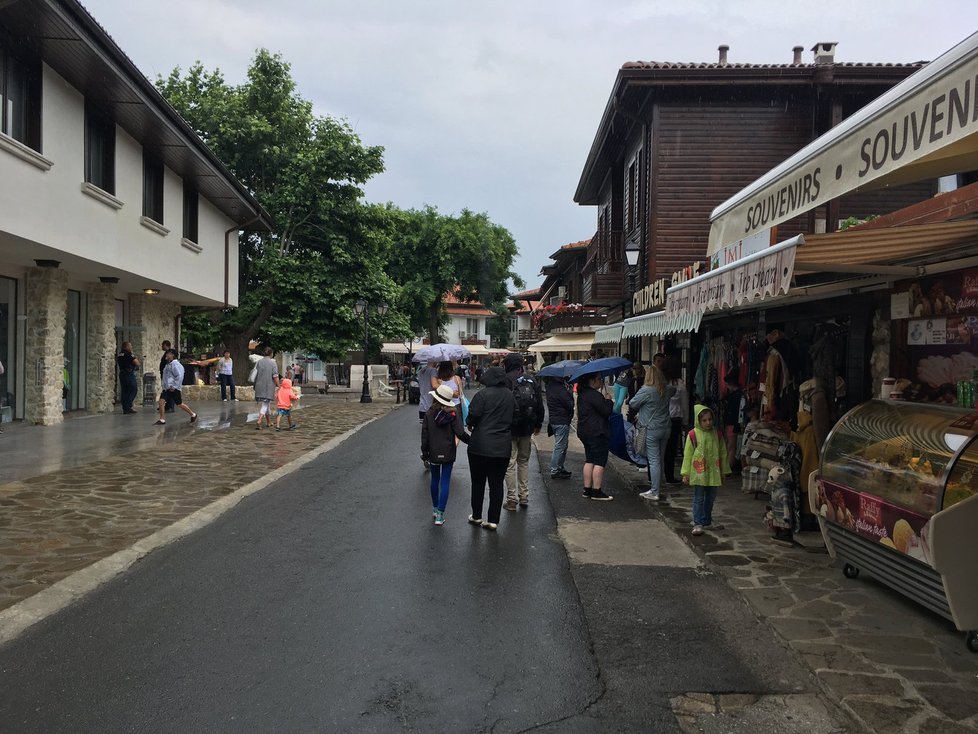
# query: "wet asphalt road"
[[329, 602]]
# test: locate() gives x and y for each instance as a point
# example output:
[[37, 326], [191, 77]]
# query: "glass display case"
[[897, 494]]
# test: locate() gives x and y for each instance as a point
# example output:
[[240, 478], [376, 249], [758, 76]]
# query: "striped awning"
[[393, 348], [659, 324], [607, 334]]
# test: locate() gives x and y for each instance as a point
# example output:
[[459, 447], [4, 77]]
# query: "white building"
[[466, 321], [112, 214]]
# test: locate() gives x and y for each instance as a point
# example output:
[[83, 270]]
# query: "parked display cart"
[[897, 496]]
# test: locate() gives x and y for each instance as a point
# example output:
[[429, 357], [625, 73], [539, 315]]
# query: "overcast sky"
[[493, 106]]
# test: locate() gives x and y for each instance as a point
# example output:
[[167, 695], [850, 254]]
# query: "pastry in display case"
[[896, 494]]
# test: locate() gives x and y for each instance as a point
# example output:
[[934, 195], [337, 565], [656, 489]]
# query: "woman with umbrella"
[[652, 404], [593, 410]]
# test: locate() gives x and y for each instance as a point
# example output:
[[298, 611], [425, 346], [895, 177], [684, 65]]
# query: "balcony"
[[578, 321], [605, 288]]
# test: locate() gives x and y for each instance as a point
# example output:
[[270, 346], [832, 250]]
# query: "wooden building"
[[678, 139]]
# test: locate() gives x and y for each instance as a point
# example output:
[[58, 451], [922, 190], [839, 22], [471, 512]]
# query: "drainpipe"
[[227, 255]]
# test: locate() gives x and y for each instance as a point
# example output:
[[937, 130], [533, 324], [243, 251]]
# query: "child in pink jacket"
[[284, 397]]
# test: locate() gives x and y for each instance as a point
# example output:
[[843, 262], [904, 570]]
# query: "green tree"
[[298, 282], [436, 254]]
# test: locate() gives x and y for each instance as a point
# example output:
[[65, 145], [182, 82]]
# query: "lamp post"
[[632, 251], [362, 307]]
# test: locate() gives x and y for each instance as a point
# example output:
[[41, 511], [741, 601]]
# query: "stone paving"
[[893, 665], [56, 523]]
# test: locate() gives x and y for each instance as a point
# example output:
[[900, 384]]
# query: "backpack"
[[525, 408], [692, 437]]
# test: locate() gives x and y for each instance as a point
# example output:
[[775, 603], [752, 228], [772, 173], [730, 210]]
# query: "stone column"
[[47, 300], [101, 348]]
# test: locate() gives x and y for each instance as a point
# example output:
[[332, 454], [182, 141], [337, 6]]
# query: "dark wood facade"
[[677, 140]]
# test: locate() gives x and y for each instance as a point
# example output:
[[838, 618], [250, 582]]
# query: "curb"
[[14, 620]]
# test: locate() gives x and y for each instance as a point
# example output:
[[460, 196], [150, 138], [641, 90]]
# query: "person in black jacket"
[[442, 425], [593, 410], [560, 409], [490, 420]]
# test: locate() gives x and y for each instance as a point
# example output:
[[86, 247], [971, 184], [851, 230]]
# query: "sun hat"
[[444, 395]]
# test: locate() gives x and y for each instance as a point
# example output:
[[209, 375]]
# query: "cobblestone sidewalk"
[[57, 523], [894, 666]]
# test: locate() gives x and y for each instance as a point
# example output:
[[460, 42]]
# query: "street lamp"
[[632, 251], [362, 307]]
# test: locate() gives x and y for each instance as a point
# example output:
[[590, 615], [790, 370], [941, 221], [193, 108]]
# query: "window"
[[472, 328], [99, 150], [630, 198], [20, 99], [152, 187], [189, 212]]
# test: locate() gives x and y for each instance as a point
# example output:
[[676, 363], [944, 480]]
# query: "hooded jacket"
[[560, 403], [439, 429], [705, 459], [491, 416]]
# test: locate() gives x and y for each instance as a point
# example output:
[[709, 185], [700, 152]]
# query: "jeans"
[[703, 499], [561, 434], [441, 477], [127, 390], [655, 445], [493, 470], [226, 382], [518, 472]]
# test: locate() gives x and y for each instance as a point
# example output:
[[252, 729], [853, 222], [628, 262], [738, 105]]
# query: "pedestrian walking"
[[266, 382], [225, 376], [560, 411], [165, 346], [427, 381], [652, 404], [527, 422], [704, 467], [171, 395], [128, 366], [594, 407], [297, 374], [284, 397], [490, 446], [440, 433]]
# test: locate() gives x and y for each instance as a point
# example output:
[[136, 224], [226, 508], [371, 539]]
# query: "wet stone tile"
[[879, 716], [857, 684], [952, 701], [801, 629]]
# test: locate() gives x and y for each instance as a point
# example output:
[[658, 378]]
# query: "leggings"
[[491, 469], [441, 477]]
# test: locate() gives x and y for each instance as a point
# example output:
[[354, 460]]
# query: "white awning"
[[659, 324], [756, 277], [393, 348], [607, 334], [576, 342], [477, 350], [922, 128]]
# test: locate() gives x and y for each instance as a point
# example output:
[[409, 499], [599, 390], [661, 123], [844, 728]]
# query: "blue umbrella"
[[605, 366], [562, 369]]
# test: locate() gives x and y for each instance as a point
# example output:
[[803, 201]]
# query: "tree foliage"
[[298, 282], [436, 254]]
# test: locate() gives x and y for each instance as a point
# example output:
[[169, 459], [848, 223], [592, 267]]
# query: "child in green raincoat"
[[704, 466]]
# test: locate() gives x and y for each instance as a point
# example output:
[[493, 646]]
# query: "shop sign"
[[896, 132], [742, 248], [875, 519], [653, 295], [757, 277]]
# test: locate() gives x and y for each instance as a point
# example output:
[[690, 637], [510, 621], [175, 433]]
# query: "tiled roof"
[[681, 65], [531, 294]]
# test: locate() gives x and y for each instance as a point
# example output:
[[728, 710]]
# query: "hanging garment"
[[805, 438]]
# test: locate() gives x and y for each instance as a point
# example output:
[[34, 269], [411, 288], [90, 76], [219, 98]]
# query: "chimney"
[[797, 50], [723, 54], [825, 52]]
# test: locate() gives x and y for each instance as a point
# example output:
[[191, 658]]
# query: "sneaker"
[[597, 494], [224, 400], [649, 495], [475, 520], [193, 418], [488, 525], [697, 530], [439, 518], [587, 492], [160, 423], [434, 512], [564, 474], [524, 503], [712, 526], [509, 505]]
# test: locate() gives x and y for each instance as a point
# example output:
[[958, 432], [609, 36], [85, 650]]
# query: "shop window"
[[152, 187], [99, 150], [190, 210], [20, 99]]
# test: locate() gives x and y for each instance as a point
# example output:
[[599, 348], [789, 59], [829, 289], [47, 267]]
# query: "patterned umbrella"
[[441, 353]]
